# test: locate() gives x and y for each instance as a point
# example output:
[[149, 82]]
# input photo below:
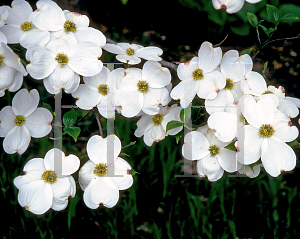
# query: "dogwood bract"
[[199, 76], [40, 188], [153, 127], [142, 89], [19, 28], [94, 176], [131, 53], [23, 120], [231, 6]]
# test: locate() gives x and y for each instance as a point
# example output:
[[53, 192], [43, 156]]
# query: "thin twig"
[[221, 42], [255, 55], [83, 117], [98, 122]]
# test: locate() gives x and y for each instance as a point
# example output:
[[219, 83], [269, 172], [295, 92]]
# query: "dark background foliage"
[[160, 204]]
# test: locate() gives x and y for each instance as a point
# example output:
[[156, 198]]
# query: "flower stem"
[[98, 122]]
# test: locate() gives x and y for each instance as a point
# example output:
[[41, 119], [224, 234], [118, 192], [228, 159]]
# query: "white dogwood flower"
[[19, 28], [3, 15], [231, 6], [97, 179], [141, 89], [199, 76], [212, 157], [50, 17], [131, 53], [61, 62], [23, 120], [153, 127], [40, 188], [11, 69]]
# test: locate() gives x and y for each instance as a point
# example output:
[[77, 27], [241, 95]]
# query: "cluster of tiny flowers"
[[243, 111]]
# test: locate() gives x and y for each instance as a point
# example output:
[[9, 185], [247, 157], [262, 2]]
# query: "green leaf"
[[124, 2], [266, 30], [231, 146], [71, 209], [246, 51], [47, 106], [124, 154], [251, 166], [286, 9], [173, 124], [289, 16], [252, 19], [70, 118], [294, 142], [73, 132], [178, 136], [182, 113], [133, 172], [243, 30], [273, 14], [265, 66]]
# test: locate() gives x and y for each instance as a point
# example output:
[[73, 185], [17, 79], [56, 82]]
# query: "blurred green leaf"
[[243, 30], [265, 65], [47, 106], [173, 124], [294, 142], [246, 51], [252, 19], [73, 132], [286, 9], [133, 172], [124, 154], [72, 209], [289, 16], [124, 2], [70, 118], [275, 2], [273, 14], [251, 166]]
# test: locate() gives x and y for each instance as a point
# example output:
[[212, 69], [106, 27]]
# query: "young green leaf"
[[294, 142], [133, 172], [124, 2], [124, 154], [265, 66], [47, 106], [182, 113], [251, 166], [231, 146], [178, 136], [70, 118], [252, 18], [173, 124], [289, 16], [246, 51], [73, 132], [273, 13]]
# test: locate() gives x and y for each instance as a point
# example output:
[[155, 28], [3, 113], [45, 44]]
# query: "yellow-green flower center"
[[197, 74], [103, 89], [130, 51], [100, 169], [49, 176], [69, 26], [19, 120], [143, 86], [26, 26], [157, 119], [62, 59], [214, 150], [229, 84], [1, 60], [266, 130], [267, 92]]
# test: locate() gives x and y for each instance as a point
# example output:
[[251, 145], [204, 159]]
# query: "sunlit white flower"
[[142, 89], [40, 188], [212, 157], [251, 172], [231, 6], [61, 62], [153, 127], [131, 53], [19, 28], [101, 184], [23, 120], [199, 76], [97, 91], [50, 17]]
